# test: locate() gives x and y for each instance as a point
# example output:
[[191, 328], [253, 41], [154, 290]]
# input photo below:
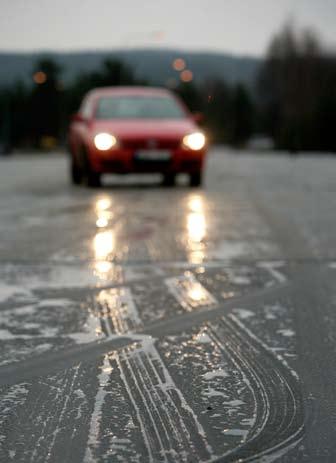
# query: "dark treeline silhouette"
[[297, 93], [38, 116], [294, 102]]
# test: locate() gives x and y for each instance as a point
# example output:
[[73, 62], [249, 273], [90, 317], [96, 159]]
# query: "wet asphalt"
[[140, 323]]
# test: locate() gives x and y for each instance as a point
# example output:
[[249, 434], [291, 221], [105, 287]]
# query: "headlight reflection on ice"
[[196, 229], [103, 204], [103, 244]]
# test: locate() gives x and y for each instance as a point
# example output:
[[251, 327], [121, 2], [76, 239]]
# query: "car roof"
[[106, 91]]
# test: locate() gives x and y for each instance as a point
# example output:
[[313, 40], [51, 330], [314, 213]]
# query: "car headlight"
[[104, 141], [194, 141]]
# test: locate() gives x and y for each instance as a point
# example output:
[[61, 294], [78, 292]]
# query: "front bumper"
[[124, 161]]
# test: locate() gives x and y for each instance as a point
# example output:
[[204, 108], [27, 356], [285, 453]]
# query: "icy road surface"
[[146, 324]]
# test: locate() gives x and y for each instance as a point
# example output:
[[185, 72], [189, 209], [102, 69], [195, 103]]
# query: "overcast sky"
[[237, 26]]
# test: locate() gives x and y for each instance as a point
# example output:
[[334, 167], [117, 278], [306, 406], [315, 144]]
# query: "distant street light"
[[40, 77], [179, 64], [186, 76]]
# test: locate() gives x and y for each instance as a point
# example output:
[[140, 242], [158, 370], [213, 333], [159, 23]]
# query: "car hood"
[[145, 128]]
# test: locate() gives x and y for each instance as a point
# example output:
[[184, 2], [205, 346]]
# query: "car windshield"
[[139, 107]]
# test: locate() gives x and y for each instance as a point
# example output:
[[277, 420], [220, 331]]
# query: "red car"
[[133, 130]]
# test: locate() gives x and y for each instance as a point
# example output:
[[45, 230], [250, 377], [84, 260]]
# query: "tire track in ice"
[[96, 415], [278, 409], [117, 312], [170, 428]]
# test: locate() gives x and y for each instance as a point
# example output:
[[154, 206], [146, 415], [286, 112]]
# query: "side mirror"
[[198, 117], [77, 118]]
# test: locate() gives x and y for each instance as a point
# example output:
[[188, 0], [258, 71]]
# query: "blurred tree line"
[[297, 92], [294, 100], [40, 114]]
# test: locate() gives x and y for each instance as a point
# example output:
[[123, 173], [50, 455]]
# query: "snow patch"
[[243, 313], [203, 338], [236, 432], [220, 373], [8, 292], [287, 333]]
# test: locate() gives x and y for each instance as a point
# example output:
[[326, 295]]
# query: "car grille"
[[150, 143]]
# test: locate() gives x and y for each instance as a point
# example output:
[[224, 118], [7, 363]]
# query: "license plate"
[[153, 155]]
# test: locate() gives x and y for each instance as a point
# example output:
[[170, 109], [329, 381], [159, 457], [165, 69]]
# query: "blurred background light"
[[186, 76], [102, 222], [179, 64], [103, 244], [40, 77], [103, 204]]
